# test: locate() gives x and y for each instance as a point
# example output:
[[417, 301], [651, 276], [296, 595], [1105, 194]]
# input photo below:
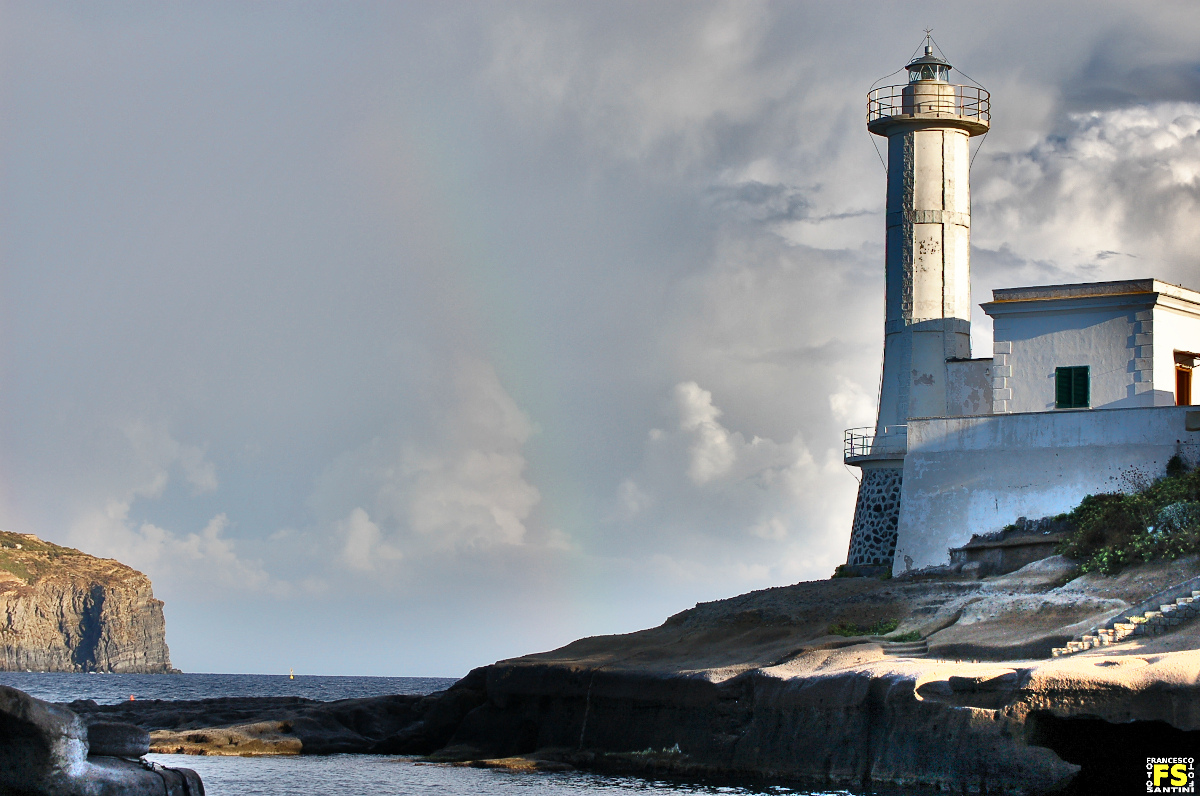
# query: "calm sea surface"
[[338, 775], [358, 775], [109, 689]]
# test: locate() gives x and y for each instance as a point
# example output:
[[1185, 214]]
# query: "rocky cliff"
[[63, 610]]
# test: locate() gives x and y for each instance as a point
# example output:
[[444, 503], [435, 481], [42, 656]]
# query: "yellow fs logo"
[[1170, 775]]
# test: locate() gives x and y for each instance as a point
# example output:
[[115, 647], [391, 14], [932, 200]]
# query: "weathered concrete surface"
[[973, 475], [65, 611], [44, 751]]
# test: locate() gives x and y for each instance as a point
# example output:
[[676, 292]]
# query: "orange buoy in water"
[[131, 698]]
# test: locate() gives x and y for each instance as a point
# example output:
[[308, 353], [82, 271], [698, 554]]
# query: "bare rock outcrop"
[[252, 726], [46, 749], [63, 610]]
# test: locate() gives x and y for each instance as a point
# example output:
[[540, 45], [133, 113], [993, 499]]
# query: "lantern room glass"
[[939, 72]]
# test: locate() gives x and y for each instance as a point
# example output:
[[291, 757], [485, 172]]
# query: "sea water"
[[109, 689], [340, 775], [358, 775]]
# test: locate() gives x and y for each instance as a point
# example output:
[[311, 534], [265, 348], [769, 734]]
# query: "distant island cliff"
[[65, 611]]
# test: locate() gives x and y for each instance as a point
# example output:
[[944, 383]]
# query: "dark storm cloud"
[[1130, 68]]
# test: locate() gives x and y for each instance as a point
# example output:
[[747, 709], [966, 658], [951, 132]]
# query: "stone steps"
[[906, 649], [1139, 623]]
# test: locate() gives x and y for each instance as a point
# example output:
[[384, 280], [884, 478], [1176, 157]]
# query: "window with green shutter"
[[1072, 388]]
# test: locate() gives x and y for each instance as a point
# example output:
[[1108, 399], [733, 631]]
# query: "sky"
[[400, 338]]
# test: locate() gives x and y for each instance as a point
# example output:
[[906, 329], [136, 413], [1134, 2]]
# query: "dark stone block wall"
[[876, 517]]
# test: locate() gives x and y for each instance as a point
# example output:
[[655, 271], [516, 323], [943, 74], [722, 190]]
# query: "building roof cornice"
[[1089, 289], [1126, 292]]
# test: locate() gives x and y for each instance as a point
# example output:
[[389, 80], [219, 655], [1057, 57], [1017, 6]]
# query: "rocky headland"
[[959, 693], [65, 611]]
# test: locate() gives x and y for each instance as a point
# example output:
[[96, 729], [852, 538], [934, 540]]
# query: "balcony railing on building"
[[863, 444]]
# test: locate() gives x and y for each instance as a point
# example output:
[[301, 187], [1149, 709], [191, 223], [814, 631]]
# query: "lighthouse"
[[928, 123], [1089, 386]]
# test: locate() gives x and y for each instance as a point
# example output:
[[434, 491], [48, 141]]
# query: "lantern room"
[[929, 67]]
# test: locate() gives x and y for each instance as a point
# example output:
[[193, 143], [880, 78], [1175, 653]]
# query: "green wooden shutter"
[[1072, 387], [1080, 388], [1062, 388]]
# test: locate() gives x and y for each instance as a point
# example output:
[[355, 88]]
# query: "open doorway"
[[1184, 364]]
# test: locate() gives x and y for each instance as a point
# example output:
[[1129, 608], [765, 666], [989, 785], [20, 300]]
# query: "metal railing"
[[970, 102], [862, 442]]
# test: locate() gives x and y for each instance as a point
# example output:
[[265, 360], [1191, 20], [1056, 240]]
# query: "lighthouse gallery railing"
[[860, 443], [967, 101]]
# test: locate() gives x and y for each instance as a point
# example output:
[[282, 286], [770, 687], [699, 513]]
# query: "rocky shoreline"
[[849, 717], [755, 689], [47, 749]]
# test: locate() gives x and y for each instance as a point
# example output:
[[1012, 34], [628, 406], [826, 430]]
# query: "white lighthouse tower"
[[927, 123]]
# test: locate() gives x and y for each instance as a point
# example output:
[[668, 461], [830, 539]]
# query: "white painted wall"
[[1126, 332], [1173, 330], [970, 475], [1098, 336]]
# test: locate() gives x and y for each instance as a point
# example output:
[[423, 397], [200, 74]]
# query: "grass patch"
[[10, 540], [843, 571], [28, 557], [912, 635], [1159, 521], [880, 628], [10, 563]]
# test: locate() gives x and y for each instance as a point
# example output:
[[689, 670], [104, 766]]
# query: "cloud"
[[713, 449], [459, 485], [197, 471], [631, 500], [151, 454], [190, 563], [754, 484], [178, 563], [851, 404], [475, 498], [363, 547], [471, 489], [752, 200], [720, 456], [1110, 194], [666, 95]]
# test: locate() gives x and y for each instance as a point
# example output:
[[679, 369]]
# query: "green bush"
[[880, 628], [1112, 531], [1101, 521]]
